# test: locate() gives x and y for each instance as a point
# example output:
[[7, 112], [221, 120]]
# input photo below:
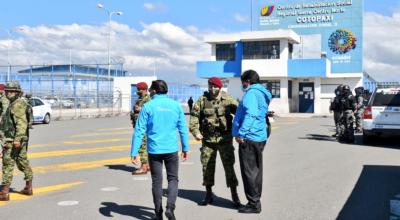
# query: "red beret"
[[2, 86], [216, 82], [142, 86]]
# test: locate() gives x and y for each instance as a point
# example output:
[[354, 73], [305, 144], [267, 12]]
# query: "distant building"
[[333, 29]]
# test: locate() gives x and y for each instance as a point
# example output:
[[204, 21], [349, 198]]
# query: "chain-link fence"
[[83, 91]]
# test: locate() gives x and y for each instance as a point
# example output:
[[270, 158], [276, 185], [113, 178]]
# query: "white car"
[[41, 110], [382, 114]]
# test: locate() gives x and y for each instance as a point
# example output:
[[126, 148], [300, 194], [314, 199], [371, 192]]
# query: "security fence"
[[83, 91], [371, 86]]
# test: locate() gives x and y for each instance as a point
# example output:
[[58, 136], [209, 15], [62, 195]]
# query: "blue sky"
[[204, 14]]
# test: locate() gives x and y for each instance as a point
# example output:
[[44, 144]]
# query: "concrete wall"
[[122, 85], [266, 68]]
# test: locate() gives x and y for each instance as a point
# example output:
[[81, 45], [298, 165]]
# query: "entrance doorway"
[[306, 97]]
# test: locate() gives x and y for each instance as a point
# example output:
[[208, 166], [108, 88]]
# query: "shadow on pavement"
[[319, 137], [120, 167], [384, 142], [196, 196], [138, 212], [375, 196]]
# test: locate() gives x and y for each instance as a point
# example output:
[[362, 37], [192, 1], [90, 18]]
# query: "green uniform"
[[212, 118], [15, 127], [134, 115], [4, 103]]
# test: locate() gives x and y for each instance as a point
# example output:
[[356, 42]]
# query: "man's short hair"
[[251, 76], [160, 86]]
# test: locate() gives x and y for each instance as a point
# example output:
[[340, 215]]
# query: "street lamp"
[[110, 14]]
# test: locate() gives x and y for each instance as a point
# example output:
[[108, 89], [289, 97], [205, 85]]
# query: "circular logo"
[[342, 41]]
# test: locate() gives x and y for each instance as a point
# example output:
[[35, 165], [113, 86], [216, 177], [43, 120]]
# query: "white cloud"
[[149, 6], [241, 18], [172, 49], [154, 7], [382, 46]]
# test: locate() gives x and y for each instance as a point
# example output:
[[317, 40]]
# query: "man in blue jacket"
[[160, 118], [250, 131]]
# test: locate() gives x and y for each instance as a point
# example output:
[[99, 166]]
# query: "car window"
[[386, 99], [38, 102]]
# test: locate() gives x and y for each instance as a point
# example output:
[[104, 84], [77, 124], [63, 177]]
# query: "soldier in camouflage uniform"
[[335, 107], [211, 122], [3, 108], [359, 113], [28, 99], [15, 146], [347, 108], [143, 98]]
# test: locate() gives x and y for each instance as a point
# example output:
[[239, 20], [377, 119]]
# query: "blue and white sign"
[[339, 22]]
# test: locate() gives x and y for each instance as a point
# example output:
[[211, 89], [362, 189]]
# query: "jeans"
[[251, 167], [171, 161]]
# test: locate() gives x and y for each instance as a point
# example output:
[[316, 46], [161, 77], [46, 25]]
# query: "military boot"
[[235, 197], [28, 189], [4, 193], [208, 199], [159, 215], [170, 212]]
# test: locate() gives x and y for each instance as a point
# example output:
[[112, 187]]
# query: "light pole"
[[110, 14]]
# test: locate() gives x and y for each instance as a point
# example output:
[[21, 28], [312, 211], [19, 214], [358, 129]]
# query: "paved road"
[[82, 171]]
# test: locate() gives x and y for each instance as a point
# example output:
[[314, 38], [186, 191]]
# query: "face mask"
[[214, 91], [244, 88], [139, 93]]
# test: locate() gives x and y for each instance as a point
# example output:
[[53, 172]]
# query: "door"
[[306, 97], [134, 96]]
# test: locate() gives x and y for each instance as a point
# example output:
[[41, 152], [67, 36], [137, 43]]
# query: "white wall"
[[328, 86], [122, 85], [266, 68], [235, 88]]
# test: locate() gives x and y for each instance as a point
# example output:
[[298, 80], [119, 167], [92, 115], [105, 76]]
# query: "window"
[[261, 50], [274, 86], [225, 51], [290, 84]]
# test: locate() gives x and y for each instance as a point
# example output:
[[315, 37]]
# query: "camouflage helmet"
[[13, 86]]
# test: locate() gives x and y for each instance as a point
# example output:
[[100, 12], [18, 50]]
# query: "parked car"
[[67, 103], [41, 110], [382, 114]]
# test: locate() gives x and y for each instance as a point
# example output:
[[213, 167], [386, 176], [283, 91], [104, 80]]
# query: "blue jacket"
[[160, 118], [250, 117]]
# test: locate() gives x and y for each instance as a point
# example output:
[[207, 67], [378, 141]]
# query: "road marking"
[[77, 151], [115, 129], [142, 178], [39, 191], [109, 189], [101, 134], [84, 151], [96, 141], [42, 145], [68, 203], [187, 163], [80, 165]]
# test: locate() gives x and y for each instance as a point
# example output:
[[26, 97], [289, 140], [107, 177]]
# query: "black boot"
[[208, 199], [235, 198], [159, 215], [170, 212]]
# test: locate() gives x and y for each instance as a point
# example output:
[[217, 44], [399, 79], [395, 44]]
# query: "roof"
[[290, 35]]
